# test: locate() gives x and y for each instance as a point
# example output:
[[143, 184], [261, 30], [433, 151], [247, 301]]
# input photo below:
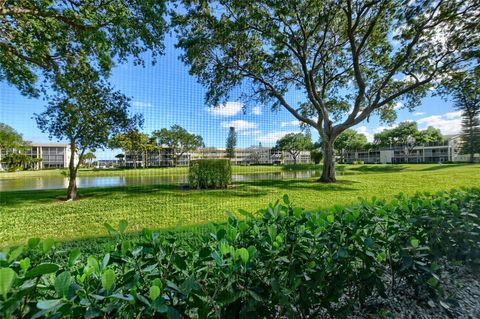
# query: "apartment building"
[[52, 155], [243, 156], [446, 151]]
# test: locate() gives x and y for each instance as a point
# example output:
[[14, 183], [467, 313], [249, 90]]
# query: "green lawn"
[[39, 214]]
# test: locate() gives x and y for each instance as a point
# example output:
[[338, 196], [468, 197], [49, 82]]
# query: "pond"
[[56, 182]]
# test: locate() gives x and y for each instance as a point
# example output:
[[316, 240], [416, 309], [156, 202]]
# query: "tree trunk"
[[328, 171], [72, 181]]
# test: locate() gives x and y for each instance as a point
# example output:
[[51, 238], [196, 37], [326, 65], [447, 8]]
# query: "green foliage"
[[87, 112], [408, 135], [19, 161], [136, 144], [287, 262], [178, 140], [358, 162], [42, 37], [464, 87], [210, 173], [294, 143], [231, 142], [348, 59]]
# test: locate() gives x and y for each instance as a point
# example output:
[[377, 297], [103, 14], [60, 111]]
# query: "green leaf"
[[33, 242], [14, 254], [62, 283], [25, 264], [92, 261], [41, 270], [246, 214], [286, 200], [109, 228], [7, 277], [108, 278], [243, 254], [48, 304], [331, 218], [73, 257], [157, 282], [414, 242], [122, 225], [154, 292], [47, 244]]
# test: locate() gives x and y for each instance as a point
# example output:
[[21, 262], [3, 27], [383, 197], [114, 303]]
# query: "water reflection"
[[56, 182]]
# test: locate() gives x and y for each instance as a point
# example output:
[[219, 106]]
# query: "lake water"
[[56, 182]]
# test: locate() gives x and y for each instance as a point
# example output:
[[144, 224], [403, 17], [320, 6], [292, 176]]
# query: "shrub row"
[[214, 173], [286, 262]]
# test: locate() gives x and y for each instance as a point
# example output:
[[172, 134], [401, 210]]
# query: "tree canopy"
[[464, 87], [350, 59], [10, 138], [136, 144], [349, 139], [41, 37], [407, 135], [178, 140], [294, 143], [87, 112]]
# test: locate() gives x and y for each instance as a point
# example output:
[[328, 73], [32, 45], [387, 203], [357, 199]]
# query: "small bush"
[[283, 262], [210, 173], [358, 162]]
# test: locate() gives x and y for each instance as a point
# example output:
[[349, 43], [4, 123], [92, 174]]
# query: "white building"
[[52, 155], [243, 156], [446, 151]]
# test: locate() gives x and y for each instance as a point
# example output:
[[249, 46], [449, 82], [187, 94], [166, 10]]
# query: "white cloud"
[[227, 109], [141, 104], [240, 125], [419, 113], [291, 123], [364, 130], [448, 123], [250, 133], [398, 106], [257, 110], [272, 137]]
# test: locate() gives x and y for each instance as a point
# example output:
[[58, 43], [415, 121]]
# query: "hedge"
[[281, 262], [210, 173]]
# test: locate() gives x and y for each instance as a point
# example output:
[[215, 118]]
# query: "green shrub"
[[210, 173], [281, 262], [358, 162]]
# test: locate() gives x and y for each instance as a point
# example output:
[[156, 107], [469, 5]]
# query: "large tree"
[[86, 111], [10, 139], [408, 136], [294, 143], [349, 140], [350, 59], [137, 144], [464, 87], [38, 38], [178, 141]]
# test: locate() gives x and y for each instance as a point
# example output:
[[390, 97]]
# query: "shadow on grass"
[[442, 166], [378, 168], [239, 189]]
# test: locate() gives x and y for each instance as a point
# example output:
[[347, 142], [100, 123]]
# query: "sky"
[[166, 95]]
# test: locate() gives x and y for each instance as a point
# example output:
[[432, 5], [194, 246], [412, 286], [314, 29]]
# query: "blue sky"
[[166, 94]]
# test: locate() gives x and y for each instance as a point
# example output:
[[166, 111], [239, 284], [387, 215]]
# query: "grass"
[[26, 214]]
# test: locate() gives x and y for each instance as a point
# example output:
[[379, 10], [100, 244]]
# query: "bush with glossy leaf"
[[281, 262]]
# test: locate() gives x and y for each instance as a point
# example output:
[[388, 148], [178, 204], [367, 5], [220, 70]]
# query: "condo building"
[[446, 151], [52, 155]]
